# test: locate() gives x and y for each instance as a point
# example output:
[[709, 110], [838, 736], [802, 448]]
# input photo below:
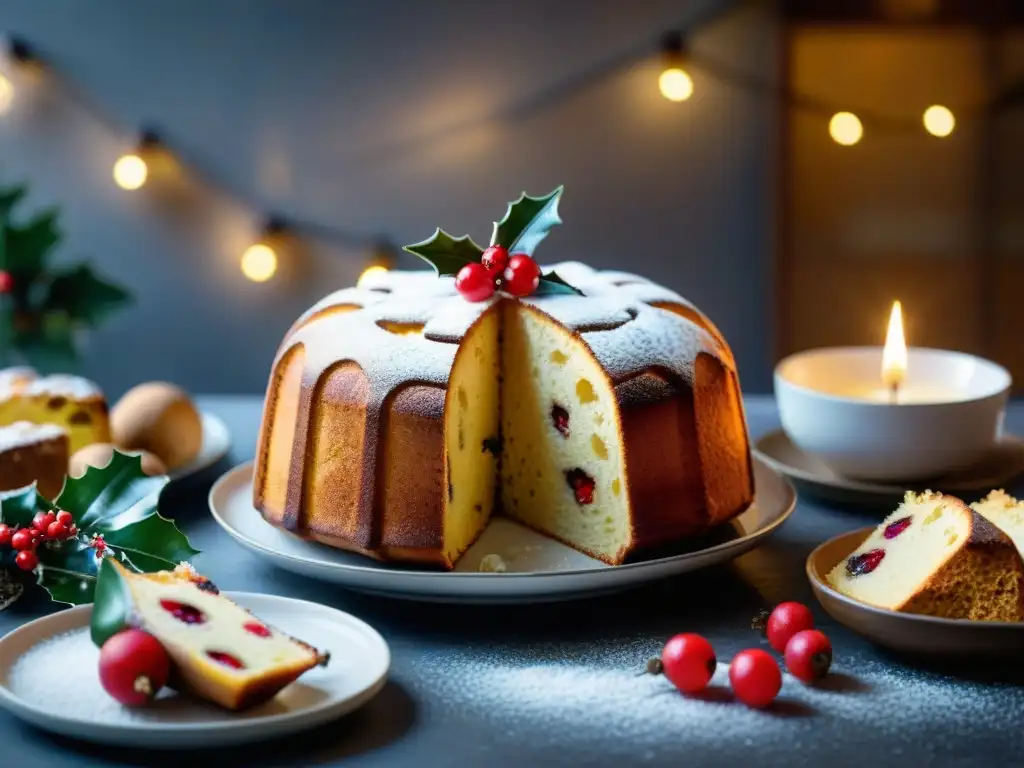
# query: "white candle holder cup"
[[947, 413]]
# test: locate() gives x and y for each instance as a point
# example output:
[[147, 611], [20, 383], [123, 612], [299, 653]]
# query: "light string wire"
[[382, 245]]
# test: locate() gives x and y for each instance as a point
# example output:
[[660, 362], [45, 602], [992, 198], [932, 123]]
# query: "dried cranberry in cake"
[[582, 485], [183, 611], [255, 628], [205, 585], [865, 562], [894, 529], [227, 659], [560, 419]]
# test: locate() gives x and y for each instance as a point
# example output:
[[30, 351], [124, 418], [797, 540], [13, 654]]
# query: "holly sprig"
[[526, 222], [41, 306], [115, 511]]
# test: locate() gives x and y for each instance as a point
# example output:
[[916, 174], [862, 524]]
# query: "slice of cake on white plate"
[[219, 651], [1006, 513], [934, 555]]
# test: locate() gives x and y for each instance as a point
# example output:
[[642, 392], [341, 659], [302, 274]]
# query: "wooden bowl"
[[906, 632]]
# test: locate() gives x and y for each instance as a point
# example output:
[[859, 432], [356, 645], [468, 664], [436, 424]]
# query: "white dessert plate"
[[777, 450], [48, 678], [216, 444], [538, 569]]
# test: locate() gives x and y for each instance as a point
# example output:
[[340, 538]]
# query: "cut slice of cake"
[[219, 651], [1006, 513], [934, 555], [33, 453]]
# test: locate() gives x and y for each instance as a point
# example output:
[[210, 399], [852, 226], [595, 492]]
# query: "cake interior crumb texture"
[[400, 417]]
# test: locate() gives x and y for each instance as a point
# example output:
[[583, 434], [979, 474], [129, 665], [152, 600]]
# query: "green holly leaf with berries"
[[114, 511], [447, 254], [526, 223]]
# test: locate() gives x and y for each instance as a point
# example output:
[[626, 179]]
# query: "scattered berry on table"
[[689, 662], [133, 667], [809, 655], [474, 282], [755, 678], [785, 621], [521, 276]]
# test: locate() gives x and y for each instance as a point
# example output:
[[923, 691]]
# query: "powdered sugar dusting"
[[633, 338], [607, 699], [22, 433]]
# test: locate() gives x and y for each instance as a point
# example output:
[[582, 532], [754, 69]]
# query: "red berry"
[[42, 521], [785, 621], [474, 282], [689, 662], [57, 531], [808, 655], [5, 534], [255, 628], [755, 678], [65, 518], [495, 259], [133, 667], [6, 282], [23, 539], [521, 276], [26, 560]]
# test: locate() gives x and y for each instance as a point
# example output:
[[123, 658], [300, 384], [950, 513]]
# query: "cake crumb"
[[492, 564]]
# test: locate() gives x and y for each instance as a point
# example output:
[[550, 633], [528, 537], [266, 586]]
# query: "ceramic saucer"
[[812, 476], [57, 647], [906, 632]]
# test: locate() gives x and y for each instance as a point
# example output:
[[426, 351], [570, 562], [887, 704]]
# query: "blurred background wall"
[[308, 106]]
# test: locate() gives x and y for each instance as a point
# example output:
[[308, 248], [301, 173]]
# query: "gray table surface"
[[558, 684]]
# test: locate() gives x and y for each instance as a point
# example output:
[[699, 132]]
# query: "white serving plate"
[[539, 569], [81, 709], [216, 444]]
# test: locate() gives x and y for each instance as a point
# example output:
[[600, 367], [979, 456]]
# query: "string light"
[[19, 52], [674, 82], [939, 120], [845, 128], [131, 169], [382, 260], [6, 94], [259, 262]]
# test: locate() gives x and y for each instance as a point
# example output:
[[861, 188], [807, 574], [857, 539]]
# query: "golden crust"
[[366, 471]]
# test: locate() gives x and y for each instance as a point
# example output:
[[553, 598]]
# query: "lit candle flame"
[[894, 354]]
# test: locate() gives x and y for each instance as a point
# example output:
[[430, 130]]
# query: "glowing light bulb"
[[675, 84], [374, 269], [6, 94], [939, 121], [259, 262], [845, 128], [130, 172]]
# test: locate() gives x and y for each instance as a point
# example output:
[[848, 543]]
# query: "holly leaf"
[[117, 502], [446, 254], [527, 221], [552, 285], [26, 248], [10, 197], [50, 348], [83, 295], [18, 507]]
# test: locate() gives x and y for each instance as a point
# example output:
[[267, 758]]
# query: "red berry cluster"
[[689, 661], [6, 282], [46, 526], [517, 274]]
